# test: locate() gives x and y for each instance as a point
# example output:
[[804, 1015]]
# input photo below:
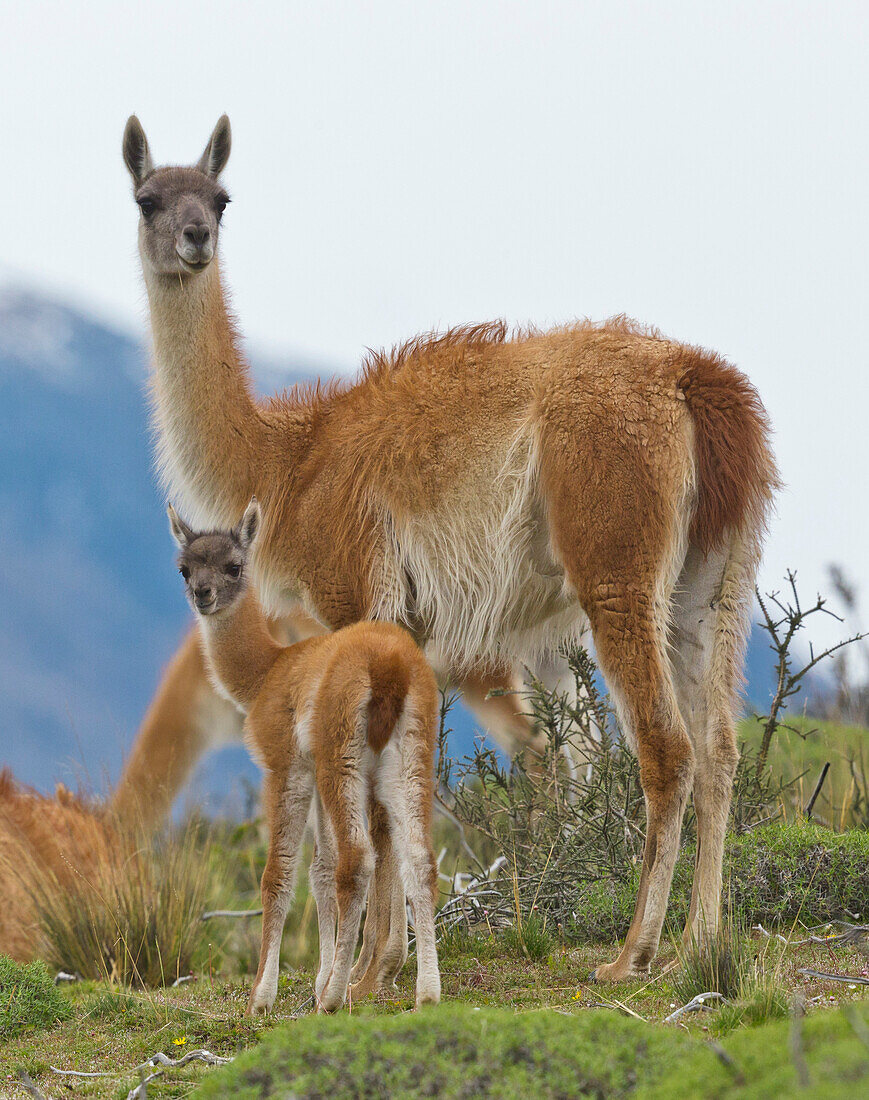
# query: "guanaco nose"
[[197, 234], [203, 593]]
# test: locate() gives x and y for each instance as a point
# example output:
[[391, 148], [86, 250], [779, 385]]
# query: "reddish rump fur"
[[736, 474], [390, 679]]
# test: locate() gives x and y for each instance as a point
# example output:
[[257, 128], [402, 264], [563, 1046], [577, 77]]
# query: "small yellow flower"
[[577, 995], [180, 1041]]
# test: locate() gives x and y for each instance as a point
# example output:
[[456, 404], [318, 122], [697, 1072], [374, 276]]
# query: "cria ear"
[[137, 155], [247, 530], [180, 531], [213, 160]]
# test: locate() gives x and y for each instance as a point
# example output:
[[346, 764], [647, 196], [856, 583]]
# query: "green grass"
[[112, 1030], [797, 871], [761, 1063], [28, 998], [806, 751], [531, 939], [528, 987]]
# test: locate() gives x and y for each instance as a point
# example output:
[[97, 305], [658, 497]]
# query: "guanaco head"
[[214, 563], [180, 208]]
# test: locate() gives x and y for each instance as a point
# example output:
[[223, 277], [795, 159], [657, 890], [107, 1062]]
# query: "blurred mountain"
[[90, 605]]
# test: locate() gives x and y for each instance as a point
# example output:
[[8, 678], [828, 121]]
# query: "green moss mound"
[[775, 874], [28, 997], [760, 1064], [456, 1051], [451, 1051]]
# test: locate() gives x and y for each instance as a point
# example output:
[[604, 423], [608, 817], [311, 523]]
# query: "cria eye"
[[185, 572], [147, 206], [234, 570]]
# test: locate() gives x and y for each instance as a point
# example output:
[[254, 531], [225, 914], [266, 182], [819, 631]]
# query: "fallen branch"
[[824, 976], [160, 1059], [696, 1004], [854, 936], [231, 913], [80, 1073]]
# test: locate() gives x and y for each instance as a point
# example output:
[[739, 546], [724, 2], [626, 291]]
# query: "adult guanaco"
[[336, 722], [495, 494]]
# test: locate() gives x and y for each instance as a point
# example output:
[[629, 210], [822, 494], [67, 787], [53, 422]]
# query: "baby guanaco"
[[338, 722]]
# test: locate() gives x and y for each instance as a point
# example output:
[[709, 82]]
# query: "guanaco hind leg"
[[707, 632]]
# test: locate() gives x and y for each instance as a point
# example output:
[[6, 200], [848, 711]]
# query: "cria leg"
[[287, 796], [322, 877], [384, 939]]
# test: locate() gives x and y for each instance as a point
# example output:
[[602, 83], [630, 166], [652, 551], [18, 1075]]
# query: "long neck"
[[211, 436], [239, 648]]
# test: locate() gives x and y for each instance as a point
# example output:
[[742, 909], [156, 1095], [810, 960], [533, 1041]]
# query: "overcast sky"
[[402, 166]]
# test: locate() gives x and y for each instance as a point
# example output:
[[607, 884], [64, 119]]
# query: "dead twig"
[[696, 1004], [783, 618], [726, 1060], [618, 1006], [140, 1092], [811, 803], [27, 1084]]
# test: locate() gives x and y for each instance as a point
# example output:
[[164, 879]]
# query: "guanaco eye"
[[220, 204], [185, 572], [147, 206], [234, 571]]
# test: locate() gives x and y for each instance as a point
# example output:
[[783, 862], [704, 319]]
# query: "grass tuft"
[[719, 964], [135, 919], [28, 997], [530, 938]]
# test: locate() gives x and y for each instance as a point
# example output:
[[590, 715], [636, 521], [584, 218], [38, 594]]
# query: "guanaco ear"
[[137, 155], [247, 530], [213, 160], [180, 531]]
